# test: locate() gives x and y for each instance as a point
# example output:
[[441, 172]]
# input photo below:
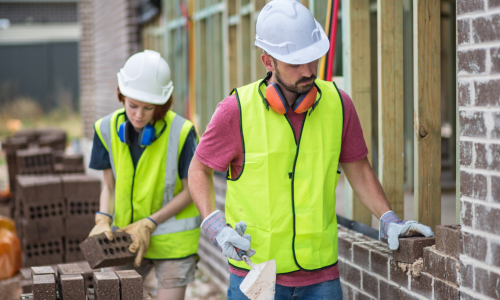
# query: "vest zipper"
[[297, 142]]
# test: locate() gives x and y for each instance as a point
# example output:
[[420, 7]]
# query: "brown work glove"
[[102, 225], [140, 233]]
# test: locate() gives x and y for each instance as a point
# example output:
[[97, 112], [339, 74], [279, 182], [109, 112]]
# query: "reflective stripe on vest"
[[172, 225], [285, 191], [140, 192]]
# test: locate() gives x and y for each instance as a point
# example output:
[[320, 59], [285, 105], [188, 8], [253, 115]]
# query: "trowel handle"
[[240, 252], [244, 256]]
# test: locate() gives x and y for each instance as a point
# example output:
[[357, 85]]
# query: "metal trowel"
[[260, 282]]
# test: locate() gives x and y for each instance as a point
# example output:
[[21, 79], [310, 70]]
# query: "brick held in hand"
[[412, 248], [131, 287], [44, 287], [107, 286], [449, 239], [72, 287], [101, 252]]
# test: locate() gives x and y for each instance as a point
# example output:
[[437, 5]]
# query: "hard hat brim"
[[305, 55], [141, 95]]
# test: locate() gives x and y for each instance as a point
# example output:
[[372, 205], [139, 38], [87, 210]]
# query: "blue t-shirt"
[[99, 159]]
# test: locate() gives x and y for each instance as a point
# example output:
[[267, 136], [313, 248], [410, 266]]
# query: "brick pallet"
[[68, 281], [56, 212]]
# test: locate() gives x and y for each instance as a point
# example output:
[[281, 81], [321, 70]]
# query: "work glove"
[[226, 238], [140, 233], [102, 225], [392, 228]]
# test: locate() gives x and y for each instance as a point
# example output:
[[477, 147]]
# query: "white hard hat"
[[146, 77], [287, 31]]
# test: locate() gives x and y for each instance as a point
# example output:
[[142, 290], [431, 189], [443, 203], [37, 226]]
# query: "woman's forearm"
[[175, 206], [107, 200]]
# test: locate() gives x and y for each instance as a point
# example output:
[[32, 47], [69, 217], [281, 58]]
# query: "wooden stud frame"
[[427, 89]]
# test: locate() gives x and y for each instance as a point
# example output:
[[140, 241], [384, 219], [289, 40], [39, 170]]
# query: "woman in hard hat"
[[144, 151]]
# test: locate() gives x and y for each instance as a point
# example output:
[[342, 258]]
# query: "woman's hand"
[[102, 225], [140, 233]]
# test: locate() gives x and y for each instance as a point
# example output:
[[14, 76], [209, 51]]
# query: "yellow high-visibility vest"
[[285, 191], [141, 191]]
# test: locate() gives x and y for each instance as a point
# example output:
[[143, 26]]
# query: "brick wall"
[[110, 35], [19, 13], [478, 56]]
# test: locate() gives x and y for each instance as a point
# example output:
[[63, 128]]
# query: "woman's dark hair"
[[160, 110]]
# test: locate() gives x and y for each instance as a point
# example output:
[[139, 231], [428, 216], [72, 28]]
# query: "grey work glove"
[[392, 228], [226, 238]]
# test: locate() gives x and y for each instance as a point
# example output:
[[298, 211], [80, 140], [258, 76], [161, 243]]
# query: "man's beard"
[[296, 88]]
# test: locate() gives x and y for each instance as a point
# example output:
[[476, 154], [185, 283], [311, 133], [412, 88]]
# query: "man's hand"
[[226, 238], [140, 233], [102, 225], [392, 228]]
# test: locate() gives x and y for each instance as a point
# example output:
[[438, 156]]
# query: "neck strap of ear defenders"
[[126, 120], [264, 81], [264, 100]]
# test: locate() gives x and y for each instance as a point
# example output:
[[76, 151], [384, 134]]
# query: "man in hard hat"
[[144, 151], [282, 139]]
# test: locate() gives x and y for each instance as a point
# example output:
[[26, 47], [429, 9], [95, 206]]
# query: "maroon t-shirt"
[[221, 146]]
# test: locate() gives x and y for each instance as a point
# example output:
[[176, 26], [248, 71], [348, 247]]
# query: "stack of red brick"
[[418, 270], [69, 281], [53, 214], [39, 151]]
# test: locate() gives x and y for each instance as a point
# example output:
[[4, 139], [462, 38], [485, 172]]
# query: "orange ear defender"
[[277, 101]]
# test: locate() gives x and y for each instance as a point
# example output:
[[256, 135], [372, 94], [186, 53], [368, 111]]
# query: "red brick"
[[466, 214], [130, 285], [487, 282], [463, 31], [441, 265], [422, 284], [466, 6], [474, 246], [473, 185], [465, 153], [79, 225], [44, 287], [345, 247], [445, 291], [397, 274], [340, 265], [361, 255], [495, 131], [100, 252], [449, 239], [72, 287], [487, 93], [493, 3], [380, 263], [495, 189], [352, 275], [107, 286], [389, 291], [495, 59], [486, 29], [485, 154], [471, 61], [472, 124], [348, 293], [467, 276], [495, 253], [370, 284], [487, 218], [412, 248]]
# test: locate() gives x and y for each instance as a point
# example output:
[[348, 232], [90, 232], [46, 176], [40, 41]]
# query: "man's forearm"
[[201, 186], [365, 184]]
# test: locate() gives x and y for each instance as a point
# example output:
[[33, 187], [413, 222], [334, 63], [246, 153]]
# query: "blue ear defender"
[[146, 137]]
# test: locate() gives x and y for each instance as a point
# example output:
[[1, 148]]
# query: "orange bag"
[[10, 249]]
